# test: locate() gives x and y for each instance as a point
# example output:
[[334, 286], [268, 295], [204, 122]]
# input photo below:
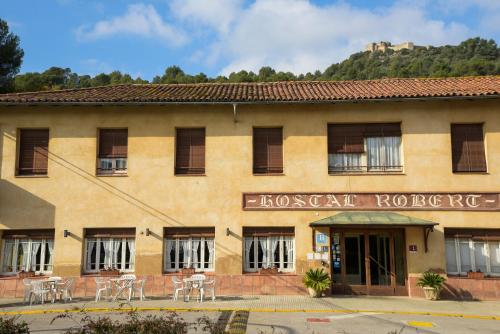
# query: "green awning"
[[389, 219]]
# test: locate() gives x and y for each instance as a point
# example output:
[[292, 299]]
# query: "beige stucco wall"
[[151, 196]]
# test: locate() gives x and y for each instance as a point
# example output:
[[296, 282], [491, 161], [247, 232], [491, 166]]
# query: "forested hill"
[[472, 57]]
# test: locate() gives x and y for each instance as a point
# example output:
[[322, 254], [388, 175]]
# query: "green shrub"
[[12, 326], [317, 279], [432, 280]]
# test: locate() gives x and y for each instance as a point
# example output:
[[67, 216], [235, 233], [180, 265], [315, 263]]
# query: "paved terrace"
[[339, 304]]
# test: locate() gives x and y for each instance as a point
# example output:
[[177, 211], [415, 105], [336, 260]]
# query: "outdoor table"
[[52, 282], [116, 284], [192, 283]]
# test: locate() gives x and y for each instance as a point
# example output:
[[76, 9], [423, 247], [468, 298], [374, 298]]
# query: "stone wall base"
[[161, 285], [462, 288]]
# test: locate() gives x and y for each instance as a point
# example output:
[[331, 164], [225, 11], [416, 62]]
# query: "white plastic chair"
[[138, 286], [197, 283], [209, 286], [102, 287], [40, 290], [124, 284], [27, 289], [65, 289], [178, 287]]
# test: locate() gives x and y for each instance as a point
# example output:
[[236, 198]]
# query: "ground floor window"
[[109, 248], [189, 248], [26, 254], [269, 248], [473, 250]]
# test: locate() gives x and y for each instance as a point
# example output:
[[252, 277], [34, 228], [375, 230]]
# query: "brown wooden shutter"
[[467, 147], [186, 232], [267, 150], [268, 231], [118, 232], [113, 143], [382, 130], [345, 138], [190, 151], [33, 152]]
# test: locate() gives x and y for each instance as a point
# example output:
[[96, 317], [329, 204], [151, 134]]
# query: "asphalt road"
[[236, 322]]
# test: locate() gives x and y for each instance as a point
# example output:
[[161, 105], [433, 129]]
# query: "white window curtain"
[[186, 250], [195, 245], [383, 152], [344, 162], [107, 252], [35, 247], [480, 257], [290, 251], [211, 250], [465, 261], [248, 246], [90, 248], [169, 246], [495, 256], [8, 255], [263, 245], [131, 259], [451, 257], [24, 259], [115, 247], [274, 246], [50, 248]]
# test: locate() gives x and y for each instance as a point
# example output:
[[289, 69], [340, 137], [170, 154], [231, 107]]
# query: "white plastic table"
[[192, 283]]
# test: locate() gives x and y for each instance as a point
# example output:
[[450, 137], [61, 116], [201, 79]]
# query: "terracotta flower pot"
[[269, 271], [313, 293], [475, 275], [431, 293], [109, 273], [187, 271], [25, 274]]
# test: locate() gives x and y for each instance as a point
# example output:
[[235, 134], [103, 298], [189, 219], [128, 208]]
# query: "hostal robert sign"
[[372, 201]]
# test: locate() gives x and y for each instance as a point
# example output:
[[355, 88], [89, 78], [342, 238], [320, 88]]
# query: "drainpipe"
[[235, 112]]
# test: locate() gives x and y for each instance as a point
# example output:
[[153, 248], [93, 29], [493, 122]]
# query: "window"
[[32, 251], [190, 151], [267, 150], [109, 249], [33, 152], [112, 157], [364, 148], [189, 248], [467, 147], [475, 250], [269, 248]]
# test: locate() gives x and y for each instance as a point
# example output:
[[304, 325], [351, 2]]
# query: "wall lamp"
[[228, 232], [67, 233], [148, 232]]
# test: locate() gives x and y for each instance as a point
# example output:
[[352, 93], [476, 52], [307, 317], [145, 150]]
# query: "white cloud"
[[299, 36], [140, 19]]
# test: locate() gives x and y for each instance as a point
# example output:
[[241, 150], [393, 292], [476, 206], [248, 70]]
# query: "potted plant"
[[187, 271], [316, 281], [25, 274], [109, 271], [269, 271], [475, 274], [432, 284]]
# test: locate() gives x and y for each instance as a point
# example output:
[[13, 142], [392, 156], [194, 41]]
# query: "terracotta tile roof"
[[293, 91]]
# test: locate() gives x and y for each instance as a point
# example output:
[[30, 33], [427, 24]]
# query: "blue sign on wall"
[[320, 238]]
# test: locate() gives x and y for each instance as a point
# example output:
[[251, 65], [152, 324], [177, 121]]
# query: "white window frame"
[[189, 262], [363, 160], [108, 264], [254, 267], [472, 259], [30, 242]]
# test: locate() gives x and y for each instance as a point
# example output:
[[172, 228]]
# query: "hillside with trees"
[[475, 56]]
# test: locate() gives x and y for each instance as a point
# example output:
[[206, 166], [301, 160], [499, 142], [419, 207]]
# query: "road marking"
[[351, 315], [420, 324], [318, 320]]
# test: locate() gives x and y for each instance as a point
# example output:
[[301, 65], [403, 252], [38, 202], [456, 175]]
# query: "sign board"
[[321, 238], [372, 201]]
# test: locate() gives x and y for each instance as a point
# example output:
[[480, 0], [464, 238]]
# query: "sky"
[[215, 37]]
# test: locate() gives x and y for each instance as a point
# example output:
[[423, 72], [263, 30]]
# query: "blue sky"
[[219, 36]]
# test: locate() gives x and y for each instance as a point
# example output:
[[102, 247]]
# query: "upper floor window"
[[30, 250], [112, 157], [472, 250], [467, 147], [364, 148], [189, 248], [190, 151], [33, 152], [268, 150]]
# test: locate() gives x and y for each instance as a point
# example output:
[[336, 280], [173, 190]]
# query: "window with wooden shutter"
[[112, 155], [360, 147], [267, 150], [467, 147], [33, 152], [190, 151]]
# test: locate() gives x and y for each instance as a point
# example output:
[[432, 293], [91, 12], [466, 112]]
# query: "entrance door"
[[368, 262]]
